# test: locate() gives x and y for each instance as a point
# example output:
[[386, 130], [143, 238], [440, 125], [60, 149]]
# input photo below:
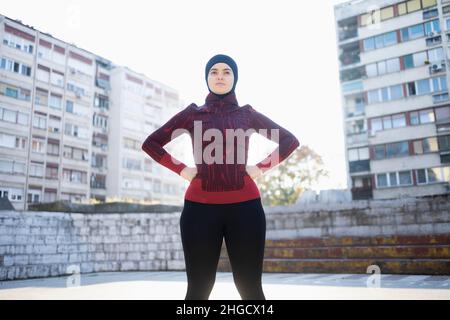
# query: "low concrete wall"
[[41, 244], [409, 216]]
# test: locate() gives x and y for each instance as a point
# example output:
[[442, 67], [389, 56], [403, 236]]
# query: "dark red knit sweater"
[[225, 182]]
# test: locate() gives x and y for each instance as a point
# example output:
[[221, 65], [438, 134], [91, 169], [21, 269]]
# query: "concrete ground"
[[277, 286]]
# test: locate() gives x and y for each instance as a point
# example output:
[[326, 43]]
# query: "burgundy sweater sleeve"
[[287, 142], [154, 143]]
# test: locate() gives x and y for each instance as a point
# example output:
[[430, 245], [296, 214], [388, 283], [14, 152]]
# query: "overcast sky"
[[285, 51]]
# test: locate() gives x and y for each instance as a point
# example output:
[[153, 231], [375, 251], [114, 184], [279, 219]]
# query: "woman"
[[222, 200]]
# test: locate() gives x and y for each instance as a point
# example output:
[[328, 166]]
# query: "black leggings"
[[203, 227]]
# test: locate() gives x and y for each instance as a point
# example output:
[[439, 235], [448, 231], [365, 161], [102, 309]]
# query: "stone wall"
[[42, 244]]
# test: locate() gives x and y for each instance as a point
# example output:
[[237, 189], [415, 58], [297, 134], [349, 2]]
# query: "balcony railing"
[[357, 138]]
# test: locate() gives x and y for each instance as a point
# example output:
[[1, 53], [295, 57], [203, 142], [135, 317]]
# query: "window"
[[380, 41], [101, 101], [397, 149], [14, 92], [414, 118], [382, 67], [439, 84], [432, 27], [74, 176], [54, 124], [131, 164], [12, 167], [371, 70], [38, 144], [420, 58], [428, 3], [55, 101], [376, 125], [41, 97], [14, 66], [430, 144], [393, 65], [366, 19], [387, 13], [53, 147], [78, 109], [428, 14], [415, 32], [36, 170], [442, 113], [389, 38], [18, 43], [425, 145], [57, 79], [8, 115], [100, 121], [69, 106], [437, 98], [77, 90], [411, 88], [423, 86], [13, 194], [373, 96], [413, 5], [433, 174], [353, 155], [40, 121], [405, 178], [43, 74], [12, 141], [401, 8], [426, 116], [421, 176], [387, 123], [435, 55], [430, 175], [358, 154], [393, 179], [404, 34], [408, 61], [444, 143], [385, 94], [418, 147], [396, 92], [446, 173], [398, 121], [49, 195], [382, 180], [76, 131], [379, 152]]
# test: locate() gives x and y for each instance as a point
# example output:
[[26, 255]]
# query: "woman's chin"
[[221, 91]]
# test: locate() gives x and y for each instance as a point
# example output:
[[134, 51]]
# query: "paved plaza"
[[277, 286]]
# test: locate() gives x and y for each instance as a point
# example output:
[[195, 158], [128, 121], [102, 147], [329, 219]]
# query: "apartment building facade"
[[140, 106], [55, 120], [394, 74]]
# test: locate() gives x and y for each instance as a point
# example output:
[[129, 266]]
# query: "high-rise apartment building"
[[139, 106], [68, 124], [394, 68]]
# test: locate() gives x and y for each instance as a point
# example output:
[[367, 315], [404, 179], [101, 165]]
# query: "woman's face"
[[220, 78]]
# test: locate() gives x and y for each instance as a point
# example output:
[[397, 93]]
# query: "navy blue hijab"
[[230, 62]]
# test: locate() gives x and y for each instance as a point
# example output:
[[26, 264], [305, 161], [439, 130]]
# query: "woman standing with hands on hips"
[[222, 200]]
